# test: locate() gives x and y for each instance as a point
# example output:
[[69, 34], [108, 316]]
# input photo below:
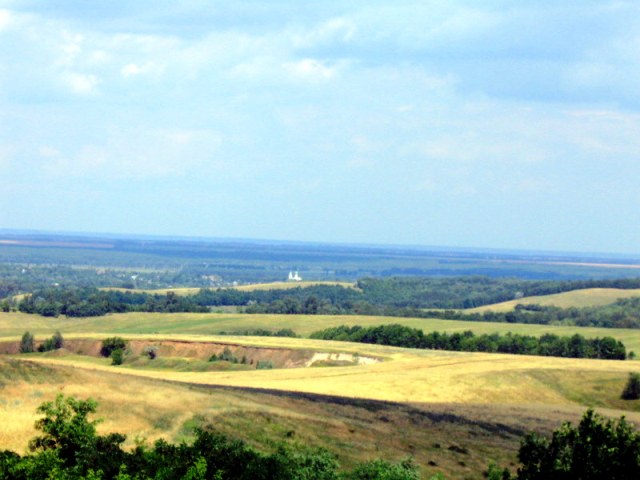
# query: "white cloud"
[[134, 70], [5, 19], [339, 29], [80, 83], [138, 153], [312, 69]]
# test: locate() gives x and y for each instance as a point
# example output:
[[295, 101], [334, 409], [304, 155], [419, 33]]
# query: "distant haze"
[[489, 124]]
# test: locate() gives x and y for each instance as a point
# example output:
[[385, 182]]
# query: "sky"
[[494, 124]]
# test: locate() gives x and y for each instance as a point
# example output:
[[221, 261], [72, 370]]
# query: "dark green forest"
[[400, 297]]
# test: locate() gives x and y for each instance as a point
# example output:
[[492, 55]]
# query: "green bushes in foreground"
[[549, 345], [70, 449]]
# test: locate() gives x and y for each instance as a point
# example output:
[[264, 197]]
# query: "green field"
[[14, 324]]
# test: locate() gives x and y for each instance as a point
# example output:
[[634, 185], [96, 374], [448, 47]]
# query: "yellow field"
[[588, 297], [248, 288], [407, 375], [288, 285]]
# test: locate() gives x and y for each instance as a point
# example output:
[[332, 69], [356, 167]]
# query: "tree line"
[[91, 302], [575, 346], [412, 297]]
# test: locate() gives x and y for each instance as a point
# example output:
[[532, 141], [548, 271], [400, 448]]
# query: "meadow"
[[14, 324]]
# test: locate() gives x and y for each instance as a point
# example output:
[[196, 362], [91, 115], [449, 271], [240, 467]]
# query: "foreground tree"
[[632, 388], [597, 448]]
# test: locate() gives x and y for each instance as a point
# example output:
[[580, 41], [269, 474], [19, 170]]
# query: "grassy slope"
[[355, 431], [588, 297], [14, 324]]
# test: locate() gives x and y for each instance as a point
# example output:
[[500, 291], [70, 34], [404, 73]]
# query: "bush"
[[27, 344], [117, 356], [381, 469], [264, 365], [111, 344], [228, 356], [53, 343], [632, 389], [151, 352]]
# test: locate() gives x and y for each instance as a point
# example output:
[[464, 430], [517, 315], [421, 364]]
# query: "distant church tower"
[[294, 277]]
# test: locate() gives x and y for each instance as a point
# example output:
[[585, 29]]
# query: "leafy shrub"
[[117, 356], [53, 343], [632, 388], [110, 344], [27, 343], [380, 469], [264, 365], [228, 356]]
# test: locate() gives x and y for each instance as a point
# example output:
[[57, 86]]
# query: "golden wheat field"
[[587, 297]]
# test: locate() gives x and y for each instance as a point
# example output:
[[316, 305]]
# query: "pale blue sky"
[[506, 124]]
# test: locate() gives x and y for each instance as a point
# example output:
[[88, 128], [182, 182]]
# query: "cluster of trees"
[[28, 343], [397, 335], [69, 448], [90, 302]]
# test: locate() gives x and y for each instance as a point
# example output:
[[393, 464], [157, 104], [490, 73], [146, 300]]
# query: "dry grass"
[[588, 297], [406, 376], [459, 438]]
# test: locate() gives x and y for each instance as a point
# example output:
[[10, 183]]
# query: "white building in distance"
[[294, 277]]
